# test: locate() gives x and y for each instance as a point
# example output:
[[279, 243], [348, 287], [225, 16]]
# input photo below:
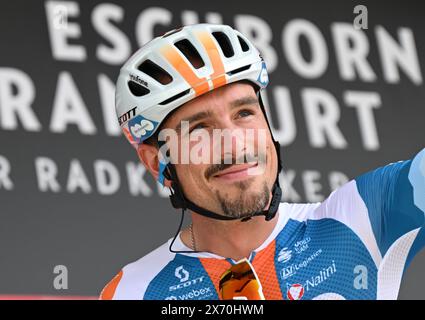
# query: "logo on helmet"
[[141, 128], [263, 78], [126, 116], [139, 80]]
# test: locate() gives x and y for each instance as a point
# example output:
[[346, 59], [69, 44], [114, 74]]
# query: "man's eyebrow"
[[249, 100], [196, 117]]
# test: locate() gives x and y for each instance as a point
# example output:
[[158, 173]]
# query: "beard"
[[246, 203]]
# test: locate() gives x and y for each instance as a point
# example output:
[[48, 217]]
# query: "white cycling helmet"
[[177, 67]]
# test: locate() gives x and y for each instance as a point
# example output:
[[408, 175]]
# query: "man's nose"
[[233, 142]]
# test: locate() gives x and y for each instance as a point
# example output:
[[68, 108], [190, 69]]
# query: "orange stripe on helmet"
[[218, 77], [200, 85]]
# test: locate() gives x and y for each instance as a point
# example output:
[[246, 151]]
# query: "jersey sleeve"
[[394, 196], [109, 290]]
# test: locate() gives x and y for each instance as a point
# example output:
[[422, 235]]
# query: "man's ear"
[[148, 156]]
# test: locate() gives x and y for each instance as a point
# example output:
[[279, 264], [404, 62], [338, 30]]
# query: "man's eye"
[[198, 126], [245, 113]]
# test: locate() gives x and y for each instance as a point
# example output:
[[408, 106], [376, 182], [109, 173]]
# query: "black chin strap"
[[180, 201]]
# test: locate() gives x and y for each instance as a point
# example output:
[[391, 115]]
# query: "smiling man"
[[204, 81]]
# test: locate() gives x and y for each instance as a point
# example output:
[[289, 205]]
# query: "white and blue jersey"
[[354, 245]]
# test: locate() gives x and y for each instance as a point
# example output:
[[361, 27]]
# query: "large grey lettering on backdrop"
[[343, 100]]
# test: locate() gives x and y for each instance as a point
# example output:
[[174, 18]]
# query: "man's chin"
[[242, 202]]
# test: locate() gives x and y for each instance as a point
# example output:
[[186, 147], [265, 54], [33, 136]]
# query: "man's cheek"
[[195, 175]]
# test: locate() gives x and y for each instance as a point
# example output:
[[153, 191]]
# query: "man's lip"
[[235, 168]]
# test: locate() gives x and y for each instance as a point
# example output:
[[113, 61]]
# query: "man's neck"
[[231, 239]]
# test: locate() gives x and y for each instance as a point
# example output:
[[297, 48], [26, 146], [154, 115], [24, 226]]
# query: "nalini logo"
[[295, 291], [323, 276], [284, 255], [182, 274]]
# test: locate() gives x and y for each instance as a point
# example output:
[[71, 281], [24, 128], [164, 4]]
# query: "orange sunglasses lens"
[[240, 282]]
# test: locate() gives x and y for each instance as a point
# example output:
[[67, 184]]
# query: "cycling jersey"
[[354, 245]]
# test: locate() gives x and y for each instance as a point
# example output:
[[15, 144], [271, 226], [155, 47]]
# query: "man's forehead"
[[230, 96]]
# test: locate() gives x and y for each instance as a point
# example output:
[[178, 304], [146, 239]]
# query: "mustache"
[[215, 168]]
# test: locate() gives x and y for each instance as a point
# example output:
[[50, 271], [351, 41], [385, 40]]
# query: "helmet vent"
[[224, 43], [155, 72], [137, 89], [243, 44], [175, 97], [231, 73], [190, 53]]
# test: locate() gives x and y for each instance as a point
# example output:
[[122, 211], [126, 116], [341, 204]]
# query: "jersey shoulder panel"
[[297, 211], [344, 205], [133, 280]]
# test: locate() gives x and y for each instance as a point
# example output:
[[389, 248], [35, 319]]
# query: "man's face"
[[239, 185]]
